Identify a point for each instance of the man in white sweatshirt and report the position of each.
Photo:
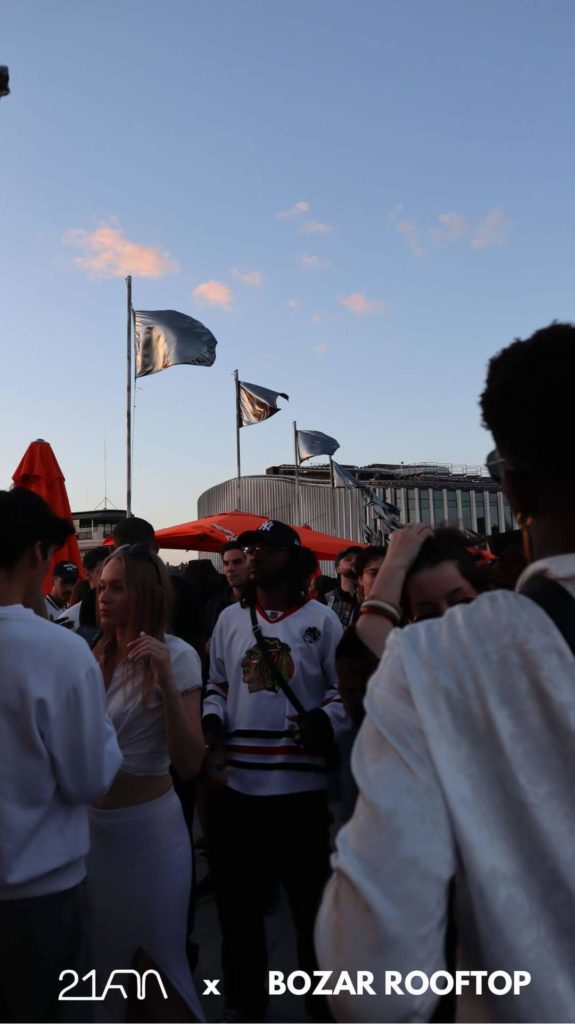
(58, 753)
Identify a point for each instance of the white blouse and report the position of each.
(141, 728)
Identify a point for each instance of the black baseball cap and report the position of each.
(67, 571)
(273, 533)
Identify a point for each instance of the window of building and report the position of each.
(494, 512)
(438, 507)
(452, 516)
(480, 509)
(425, 514)
(508, 515)
(411, 513)
(466, 510)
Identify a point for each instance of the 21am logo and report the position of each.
(112, 985)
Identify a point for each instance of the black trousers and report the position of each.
(40, 938)
(254, 839)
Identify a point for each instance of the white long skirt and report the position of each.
(139, 881)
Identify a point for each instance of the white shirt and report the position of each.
(141, 728)
(262, 756)
(58, 753)
(466, 768)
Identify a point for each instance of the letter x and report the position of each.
(211, 988)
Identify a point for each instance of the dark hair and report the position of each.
(527, 403)
(133, 530)
(355, 550)
(25, 519)
(301, 566)
(230, 545)
(449, 544)
(205, 578)
(366, 556)
(94, 556)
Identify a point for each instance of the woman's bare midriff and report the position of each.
(129, 790)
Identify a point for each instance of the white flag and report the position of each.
(166, 338)
(313, 442)
(257, 403)
(343, 478)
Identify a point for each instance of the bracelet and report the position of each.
(378, 611)
(384, 606)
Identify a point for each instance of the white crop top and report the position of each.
(141, 730)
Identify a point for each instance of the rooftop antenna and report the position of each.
(105, 501)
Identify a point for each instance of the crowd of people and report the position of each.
(393, 746)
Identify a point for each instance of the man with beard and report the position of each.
(271, 714)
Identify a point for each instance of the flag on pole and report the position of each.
(343, 478)
(256, 403)
(389, 514)
(166, 338)
(313, 442)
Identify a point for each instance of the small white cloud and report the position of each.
(296, 211)
(253, 278)
(358, 303)
(321, 349)
(315, 227)
(293, 303)
(214, 293)
(316, 318)
(493, 229)
(452, 228)
(410, 232)
(395, 212)
(312, 262)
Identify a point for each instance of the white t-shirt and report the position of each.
(58, 753)
(141, 728)
(262, 757)
(466, 769)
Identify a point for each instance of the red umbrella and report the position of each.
(209, 533)
(39, 472)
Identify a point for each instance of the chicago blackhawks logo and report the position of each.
(312, 635)
(257, 668)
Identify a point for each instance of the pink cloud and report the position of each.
(315, 227)
(322, 349)
(410, 232)
(253, 278)
(109, 254)
(296, 211)
(358, 303)
(493, 229)
(312, 262)
(452, 228)
(214, 293)
(293, 303)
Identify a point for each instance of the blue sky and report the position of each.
(421, 154)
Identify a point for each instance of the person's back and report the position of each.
(466, 758)
(58, 752)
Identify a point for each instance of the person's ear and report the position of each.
(523, 494)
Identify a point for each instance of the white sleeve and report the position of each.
(216, 699)
(79, 735)
(385, 907)
(186, 668)
(331, 703)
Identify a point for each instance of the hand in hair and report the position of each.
(159, 657)
(405, 545)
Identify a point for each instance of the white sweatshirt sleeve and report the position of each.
(331, 703)
(216, 698)
(79, 735)
(385, 907)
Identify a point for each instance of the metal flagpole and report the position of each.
(129, 402)
(238, 450)
(297, 508)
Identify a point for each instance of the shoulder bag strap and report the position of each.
(276, 674)
(556, 602)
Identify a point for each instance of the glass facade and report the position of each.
(466, 510)
(494, 513)
(480, 511)
(438, 507)
(425, 513)
(452, 516)
(411, 509)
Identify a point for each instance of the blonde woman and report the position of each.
(140, 867)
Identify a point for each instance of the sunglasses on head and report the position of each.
(493, 463)
(138, 550)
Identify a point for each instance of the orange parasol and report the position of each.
(39, 472)
(211, 532)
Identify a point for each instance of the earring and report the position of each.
(524, 523)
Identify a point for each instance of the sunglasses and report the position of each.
(493, 464)
(138, 550)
